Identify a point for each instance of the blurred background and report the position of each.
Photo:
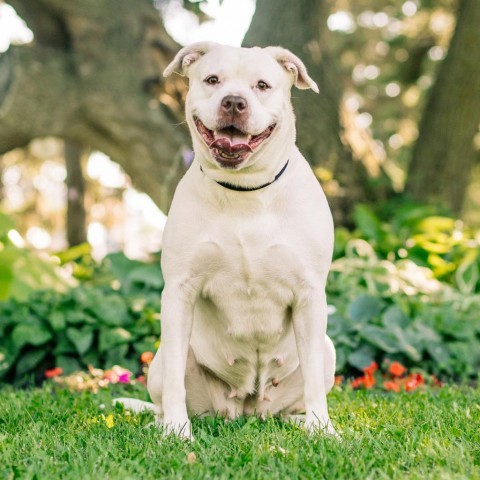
(93, 142)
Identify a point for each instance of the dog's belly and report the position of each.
(242, 328)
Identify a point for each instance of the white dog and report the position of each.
(246, 251)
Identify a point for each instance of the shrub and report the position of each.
(397, 310)
(88, 325)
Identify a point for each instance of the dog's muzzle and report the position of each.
(229, 144)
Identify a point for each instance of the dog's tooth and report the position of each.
(230, 360)
(266, 398)
(233, 393)
(280, 361)
(275, 382)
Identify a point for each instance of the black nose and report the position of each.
(234, 105)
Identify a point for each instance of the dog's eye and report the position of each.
(212, 80)
(261, 85)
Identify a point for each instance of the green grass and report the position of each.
(49, 433)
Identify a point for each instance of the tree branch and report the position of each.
(90, 87)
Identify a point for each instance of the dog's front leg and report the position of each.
(310, 326)
(177, 318)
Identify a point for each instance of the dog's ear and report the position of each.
(294, 65)
(188, 55)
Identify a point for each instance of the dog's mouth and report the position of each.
(229, 145)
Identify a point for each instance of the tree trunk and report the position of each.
(76, 217)
(443, 156)
(300, 26)
(88, 77)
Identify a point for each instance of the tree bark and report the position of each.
(92, 76)
(300, 26)
(444, 155)
(76, 215)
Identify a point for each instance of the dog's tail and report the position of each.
(137, 406)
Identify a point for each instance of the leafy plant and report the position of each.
(87, 325)
(397, 310)
(423, 234)
(23, 271)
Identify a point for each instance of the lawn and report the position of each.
(52, 433)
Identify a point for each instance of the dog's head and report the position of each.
(239, 99)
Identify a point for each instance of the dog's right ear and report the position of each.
(188, 55)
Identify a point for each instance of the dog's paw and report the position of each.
(182, 428)
(318, 425)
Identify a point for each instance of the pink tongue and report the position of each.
(226, 145)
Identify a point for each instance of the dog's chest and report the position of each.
(242, 324)
(249, 277)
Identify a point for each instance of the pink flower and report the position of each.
(124, 377)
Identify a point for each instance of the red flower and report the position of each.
(367, 381)
(413, 381)
(371, 369)
(396, 369)
(357, 382)
(53, 372)
(392, 386)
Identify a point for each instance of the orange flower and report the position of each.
(392, 386)
(339, 379)
(53, 372)
(357, 382)
(367, 381)
(146, 357)
(371, 369)
(414, 380)
(396, 369)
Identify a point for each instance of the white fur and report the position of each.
(244, 311)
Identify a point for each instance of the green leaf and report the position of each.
(33, 334)
(439, 353)
(110, 337)
(362, 357)
(117, 356)
(341, 359)
(467, 276)
(6, 278)
(364, 308)
(28, 361)
(57, 321)
(149, 275)
(64, 345)
(112, 310)
(381, 338)
(394, 317)
(68, 364)
(146, 344)
(6, 224)
(368, 223)
(81, 338)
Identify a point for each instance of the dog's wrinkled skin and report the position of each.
(244, 311)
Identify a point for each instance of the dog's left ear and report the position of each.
(188, 55)
(294, 65)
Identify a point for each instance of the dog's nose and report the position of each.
(234, 105)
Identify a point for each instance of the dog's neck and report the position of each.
(238, 188)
